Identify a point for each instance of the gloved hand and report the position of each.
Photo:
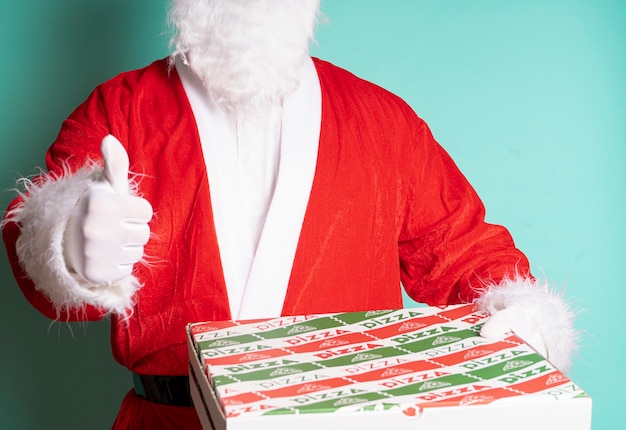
(106, 234)
(514, 319)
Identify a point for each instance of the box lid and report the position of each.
(393, 361)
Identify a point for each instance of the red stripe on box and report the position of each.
(468, 314)
(240, 399)
(546, 381)
(305, 344)
(236, 411)
(474, 395)
(205, 327)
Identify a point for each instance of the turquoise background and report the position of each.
(528, 97)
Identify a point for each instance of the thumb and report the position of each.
(504, 321)
(513, 319)
(116, 163)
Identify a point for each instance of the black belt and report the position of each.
(165, 390)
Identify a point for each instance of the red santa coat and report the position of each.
(387, 206)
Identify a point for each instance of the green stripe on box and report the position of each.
(221, 380)
(434, 338)
(310, 404)
(299, 328)
(282, 332)
(516, 364)
(381, 406)
(382, 316)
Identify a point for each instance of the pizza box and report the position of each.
(420, 368)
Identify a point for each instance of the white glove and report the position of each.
(517, 320)
(106, 234)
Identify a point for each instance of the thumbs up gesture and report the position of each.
(106, 234)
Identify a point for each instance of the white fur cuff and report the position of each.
(550, 317)
(47, 205)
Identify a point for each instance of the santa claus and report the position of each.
(263, 182)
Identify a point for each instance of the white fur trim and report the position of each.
(47, 204)
(551, 318)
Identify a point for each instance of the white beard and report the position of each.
(246, 52)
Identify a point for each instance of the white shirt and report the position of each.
(260, 172)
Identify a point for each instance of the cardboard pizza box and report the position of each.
(421, 368)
